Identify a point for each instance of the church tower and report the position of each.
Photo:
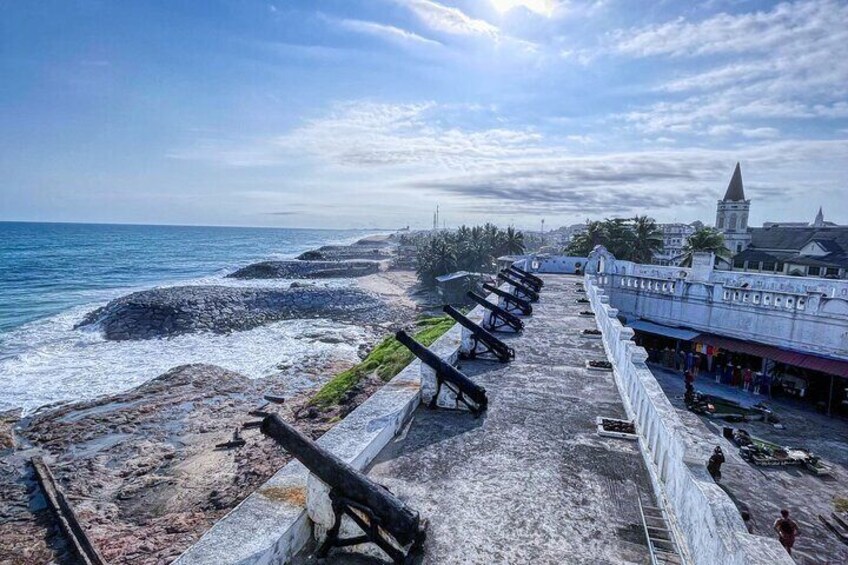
(732, 214)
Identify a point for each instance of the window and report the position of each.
(738, 248)
(731, 223)
(768, 266)
(720, 222)
(739, 263)
(832, 272)
(814, 271)
(779, 267)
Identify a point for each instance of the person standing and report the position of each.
(747, 377)
(787, 530)
(714, 464)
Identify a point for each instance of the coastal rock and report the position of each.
(297, 269)
(361, 250)
(165, 312)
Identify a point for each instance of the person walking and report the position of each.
(787, 530)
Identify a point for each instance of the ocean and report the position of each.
(51, 275)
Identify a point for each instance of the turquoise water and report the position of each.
(51, 275)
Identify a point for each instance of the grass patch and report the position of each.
(386, 360)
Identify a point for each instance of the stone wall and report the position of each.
(701, 514)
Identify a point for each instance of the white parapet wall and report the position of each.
(702, 515)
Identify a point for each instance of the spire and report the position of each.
(819, 221)
(734, 189)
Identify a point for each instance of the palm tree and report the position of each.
(436, 257)
(704, 239)
(618, 238)
(513, 241)
(647, 239)
(583, 243)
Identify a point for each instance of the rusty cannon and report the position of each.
(482, 342)
(499, 318)
(522, 291)
(472, 395)
(529, 276)
(512, 301)
(377, 512)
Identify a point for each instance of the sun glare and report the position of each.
(541, 7)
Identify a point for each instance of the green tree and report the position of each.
(583, 243)
(513, 241)
(647, 239)
(704, 239)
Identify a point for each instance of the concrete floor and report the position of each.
(765, 490)
(530, 481)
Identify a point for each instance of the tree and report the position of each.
(647, 239)
(513, 242)
(468, 248)
(704, 239)
(583, 243)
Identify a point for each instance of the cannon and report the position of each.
(530, 276)
(523, 278)
(512, 301)
(481, 337)
(372, 507)
(499, 318)
(523, 291)
(467, 392)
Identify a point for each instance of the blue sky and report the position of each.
(368, 113)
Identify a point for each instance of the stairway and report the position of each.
(661, 544)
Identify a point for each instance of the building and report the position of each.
(807, 251)
(674, 237)
(732, 214)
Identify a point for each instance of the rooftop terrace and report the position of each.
(530, 480)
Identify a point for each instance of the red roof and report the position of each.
(813, 362)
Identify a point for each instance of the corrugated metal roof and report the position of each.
(667, 331)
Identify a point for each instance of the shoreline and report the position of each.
(141, 465)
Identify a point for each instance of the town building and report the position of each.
(674, 238)
(732, 214)
(816, 249)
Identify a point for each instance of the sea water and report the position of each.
(51, 275)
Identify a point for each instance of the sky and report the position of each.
(356, 113)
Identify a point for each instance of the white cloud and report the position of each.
(451, 20)
(384, 31)
(788, 62)
(544, 8)
(408, 150)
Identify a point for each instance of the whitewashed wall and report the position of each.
(702, 514)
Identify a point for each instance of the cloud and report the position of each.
(387, 32)
(790, 62)
(450, 20)
(408, 149)
(544, 8)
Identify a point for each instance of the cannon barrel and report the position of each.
(529, 293)
(499, 348)
(531, 276)
(519, 303)
(535, 285)
(395, 517)
(445, 371)
(511, 319)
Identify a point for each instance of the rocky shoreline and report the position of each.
(141, 467)
(303, 269)
(171, 311)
